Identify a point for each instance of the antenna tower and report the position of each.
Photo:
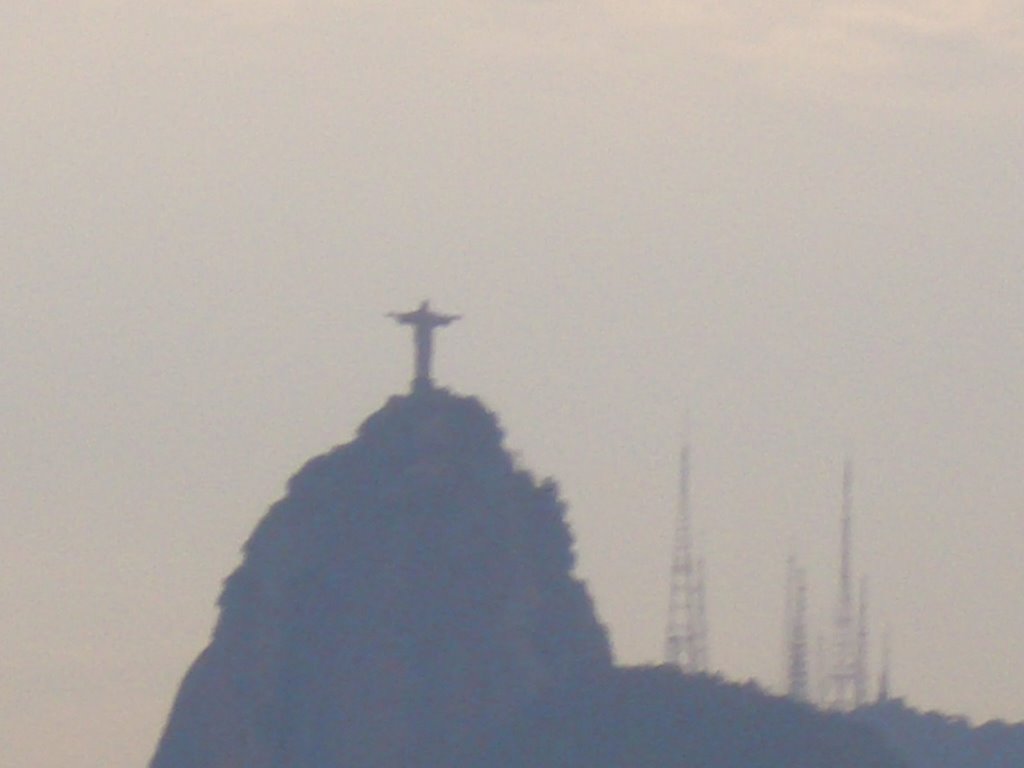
(701, 662)
(821, 672)
(844, 661)
(686, 635)
(883, 677)
(860, 679)
(797, 673)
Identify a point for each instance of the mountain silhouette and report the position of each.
(936, 740)
(410, 603)
(410, 593)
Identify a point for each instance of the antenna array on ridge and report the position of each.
(686, 641)
(797, 671)
(848, 677)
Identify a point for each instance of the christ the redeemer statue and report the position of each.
(423, 321)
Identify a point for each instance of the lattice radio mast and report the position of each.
(844, 662)
(686, 635)
(860, 672)
(797, 671)
(701, 662)
(883, 676)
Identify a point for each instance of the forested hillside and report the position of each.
(935, 740)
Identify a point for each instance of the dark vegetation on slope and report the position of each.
(935, 740)
(656, 717)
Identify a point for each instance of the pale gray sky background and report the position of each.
(798, 223)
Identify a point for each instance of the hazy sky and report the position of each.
(793, 232)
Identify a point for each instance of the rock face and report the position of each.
(410, 593)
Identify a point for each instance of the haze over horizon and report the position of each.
(789, 234)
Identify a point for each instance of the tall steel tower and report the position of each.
(701, 660)
(796, 661)
(883, 676)
(860, 671)
(686, 634)
(821, 671)
(842, 679)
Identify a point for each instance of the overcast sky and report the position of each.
(790, 232)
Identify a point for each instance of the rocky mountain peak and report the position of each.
(411, 591)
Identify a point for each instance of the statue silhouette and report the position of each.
(423, 321)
